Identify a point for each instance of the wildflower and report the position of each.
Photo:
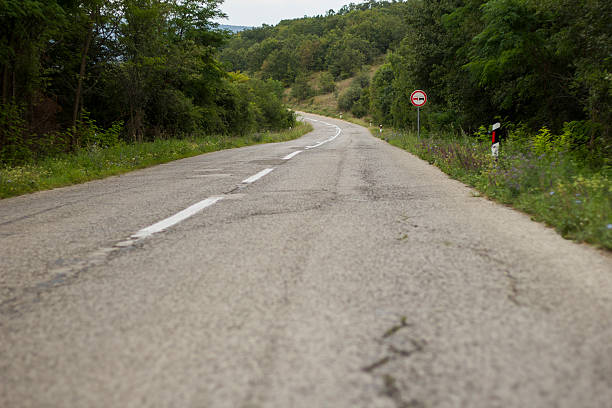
(609, 226)
(552, 193)
(578, 202)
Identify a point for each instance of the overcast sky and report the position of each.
(257, 12)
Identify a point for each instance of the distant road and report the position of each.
(331, 271)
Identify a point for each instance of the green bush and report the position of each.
(579, 139)
(347, 99)
(14, 147)
(301, 89)
(326, 83)
(175, 114)
(92, 135)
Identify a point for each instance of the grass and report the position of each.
(554, 188)
(95, 163)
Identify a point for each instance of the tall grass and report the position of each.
(95, 163)
(554, 186)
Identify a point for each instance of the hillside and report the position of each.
(528, 62)
(340, 43)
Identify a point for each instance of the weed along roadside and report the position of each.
(95, 163)
(540, 179)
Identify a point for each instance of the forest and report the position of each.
(79, 73)
(531, 64)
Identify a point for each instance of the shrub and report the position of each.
(14, 148)
(326, 83)
(347, 99)
(301, 88)
(92, 135)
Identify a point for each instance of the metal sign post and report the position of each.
(418, 122)
(418, 98)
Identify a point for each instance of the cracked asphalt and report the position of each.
(352, 275)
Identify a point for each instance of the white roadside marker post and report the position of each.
(495, 138)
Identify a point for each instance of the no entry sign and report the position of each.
(418, 98)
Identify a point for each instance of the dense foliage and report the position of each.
(542, 63)
(75, 73)
(537, 63)
(339, 42)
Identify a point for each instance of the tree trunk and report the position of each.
(5, 83)
(79, 90)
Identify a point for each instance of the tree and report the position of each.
(326, 83)
(29, 29)
(282, 65)
(580, 34)
(381, 94)
(90, 16)
(301, 88)
(348, 55)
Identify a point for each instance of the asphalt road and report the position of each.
(352, 274)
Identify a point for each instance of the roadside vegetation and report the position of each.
(94, 162)
(541, 68)
(80, 76)
(551, 183)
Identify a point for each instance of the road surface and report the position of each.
(330, 271)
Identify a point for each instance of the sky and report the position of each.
(257, 12)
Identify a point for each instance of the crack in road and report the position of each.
(27, 296)
(28, 216)
(390, 388)
(403, 324)
(514, 291)
(392, 391)
(394, 353)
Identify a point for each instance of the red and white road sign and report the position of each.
(418, 98)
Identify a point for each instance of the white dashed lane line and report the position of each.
(292, 155)
(196, 208)
(176, 218)
(257, 176)
(338, 131)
